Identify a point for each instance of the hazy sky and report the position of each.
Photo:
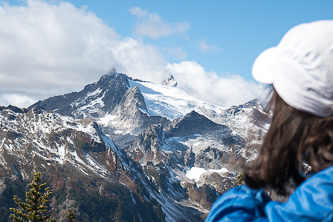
(54, 47)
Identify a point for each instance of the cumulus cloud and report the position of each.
(138, 11)
(208, 86)
(153, 26)
(50, 49)
(204, 47)
(18, 100)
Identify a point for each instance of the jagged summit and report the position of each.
(112, 71)
(97, 98)
(193, 123)
(131, 141)
(103, 97)
(14, 109)
(111, 101)
(255, 103)
(170, 81)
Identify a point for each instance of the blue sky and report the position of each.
(237, 30)
(54, 47)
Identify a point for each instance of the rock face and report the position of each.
(83, 166)
(170, 81)
(94, 100)
(110, 156)
(118, 108)
(191, 141)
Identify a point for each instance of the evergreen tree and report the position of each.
(239, 180)
(70, 216)
(34, 209)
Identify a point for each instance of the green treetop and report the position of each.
(70, 216)
(34, 209)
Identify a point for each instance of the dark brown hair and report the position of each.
(295, 144)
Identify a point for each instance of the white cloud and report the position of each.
(50, 49)
(208, 86)
(16, 100)
(204, 47)
(153, 26)
(138, 11)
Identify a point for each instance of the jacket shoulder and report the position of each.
(311, 201)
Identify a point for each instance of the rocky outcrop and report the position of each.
(106, 144)
(84, 168)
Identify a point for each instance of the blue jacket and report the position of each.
(311, 201)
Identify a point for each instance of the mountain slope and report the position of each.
(94, 100)
(118, 108)
(79, 161)
(133, 149)
(169, 101)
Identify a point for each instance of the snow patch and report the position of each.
(195, 172)
(97, 91)
(118, 131)
(77, 158)
(104, 121)
(144, 111)
(170, 102)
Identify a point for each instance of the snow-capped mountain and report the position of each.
(170, 81)
(128, 142)
(117, 95)
(75, 156)
(170, 102)
(119, 108)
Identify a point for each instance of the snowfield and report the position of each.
(195, 172)
(170, 102)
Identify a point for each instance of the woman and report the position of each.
(298, 147)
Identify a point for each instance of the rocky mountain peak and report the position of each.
(93, 101)
(112, 71)
(170, 81)
(13, 108)
(107, 79)
(197, 119)
(193, 123)
(120, 149)
(252, 104)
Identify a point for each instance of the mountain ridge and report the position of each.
(109, 136)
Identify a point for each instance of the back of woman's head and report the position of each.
(297, 143)
(300, 68)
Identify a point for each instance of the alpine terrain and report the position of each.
(123, 149)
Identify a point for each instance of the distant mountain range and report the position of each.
(128, 150)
